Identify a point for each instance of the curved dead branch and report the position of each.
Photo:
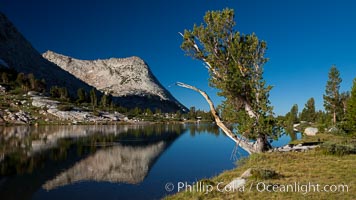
(247, 146)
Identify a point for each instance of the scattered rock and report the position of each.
(19, 117)
(2, 89)
(296, 148)
(311, 131)
(33, 93)
(333, 130)
(76, 115)
(247, 173)
(240, 181)
(43, 102)
(236, 184)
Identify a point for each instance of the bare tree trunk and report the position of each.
(262, 144)
(257, 147)
(334, 117)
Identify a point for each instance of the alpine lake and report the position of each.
(112, 161)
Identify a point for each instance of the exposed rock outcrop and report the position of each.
(311, 131)
(295, 148)
(20, 117)
(75, 115)
(2, 89)
(129, 80)
(122, 77)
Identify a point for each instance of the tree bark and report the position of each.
(262, 144)
(334, 117)
(257, 147)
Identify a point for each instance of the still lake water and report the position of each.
(111, 161)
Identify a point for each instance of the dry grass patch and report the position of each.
(294, 167)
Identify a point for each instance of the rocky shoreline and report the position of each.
(47, 111)
(76, 115)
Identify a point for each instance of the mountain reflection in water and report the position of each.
(53, 156)
(120, 164)
(111, 161)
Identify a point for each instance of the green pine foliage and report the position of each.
(192, 113)
(81, 95)
(59, 92)
(5, 77)
(308, 113)
(344, 97)
(291, 118)
(21, 82)
(148, 112)
(93, 98)
(332, 100)
(104, 101)
(350, 114)
(235, 62)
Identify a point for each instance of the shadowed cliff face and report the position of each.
(129, 80)
(18, 53)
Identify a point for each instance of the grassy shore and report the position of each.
(301, 168)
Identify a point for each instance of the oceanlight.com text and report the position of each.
(301, 188)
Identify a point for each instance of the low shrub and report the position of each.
(264, 174)
(338, 149)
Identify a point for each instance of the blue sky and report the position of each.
(304, 37)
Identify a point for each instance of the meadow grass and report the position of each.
(314, 167)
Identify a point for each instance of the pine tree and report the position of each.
(23, 82)
(93, 98)
(192, 113)
(5, 77)
(178, 114)
(63, 93)
(136, 111)
(344, 97)
(20, 79)
(148, 112)
(81, 95)
(32, 80)
(54, 92)
(235, 62)
(40, 85)
(308, 114)
(350, 114)
(112, 105)
(104, 101)
(158, 111)
(109, 99)
(292, 115)
(332, 96)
